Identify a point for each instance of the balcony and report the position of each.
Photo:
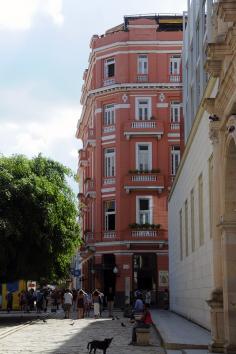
(90, 138)
(82, 158)
(89, 188)
(144, 233)
(88, 236)
(152, 128)
(109, 129)
(109, 82)
(175, 78)
(108, 181)
(144, 181)
(142, 78)
(109, 234)
(174, 126)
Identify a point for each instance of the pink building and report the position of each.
(131, 128)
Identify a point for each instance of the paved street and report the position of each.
(58, 335)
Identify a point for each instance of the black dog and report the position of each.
(99, 344)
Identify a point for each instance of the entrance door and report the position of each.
(144, 276)
(109, 278)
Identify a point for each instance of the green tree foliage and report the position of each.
(39, 231)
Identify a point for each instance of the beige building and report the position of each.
(202, 204)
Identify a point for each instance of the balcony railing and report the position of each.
(144, 181)
(175, 78)
(90, 187)
(89, 236)
(144, 178)
(109, 129)
(174, 126)
(143, 124)
(109, 82)
(144, 233)
(109, 180)
(90, 137)
(109, 234)
(153, 128)
(82, 157)
(142, 78)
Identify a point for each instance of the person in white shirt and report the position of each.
(68, 300)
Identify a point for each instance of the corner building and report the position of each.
(131, 129)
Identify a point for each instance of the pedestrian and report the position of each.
(137, 311)
(80, 303)
(9, 298)
(87, 304)
(75, 294)
(110, 298)
(148, 297)
(39, 301)
(101, 302)
(68, 299)
(144, 322)
(96, 303)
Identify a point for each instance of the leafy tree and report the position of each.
(39, 231)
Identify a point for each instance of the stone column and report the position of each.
(229, 284)
(216, 304)
(217, 321)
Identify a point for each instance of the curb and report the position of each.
(177, 346)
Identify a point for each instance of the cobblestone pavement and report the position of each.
(68, 336)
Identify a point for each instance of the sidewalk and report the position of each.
(180, 335)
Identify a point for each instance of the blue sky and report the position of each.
(44, 51)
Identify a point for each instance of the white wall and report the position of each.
(191, 280)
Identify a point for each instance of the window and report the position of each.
(144, 210)
(175, 158)
(143, 108)
(109, 115)
(181, 235)
(109, 68)
(144, 156)
(175, 65)
(110, 215)
(175, 112)
(186, 228)
(109, 159)
(210, 169)
(192, 221)
(200, 212)
(142, 64)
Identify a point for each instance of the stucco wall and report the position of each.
(191, 279)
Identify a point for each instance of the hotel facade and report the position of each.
(132, 132)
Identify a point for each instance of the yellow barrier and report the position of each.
(18, 287)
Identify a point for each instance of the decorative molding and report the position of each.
(231, 127)
(162, 105)
(162, 97)
(108, 137)
(214, 132)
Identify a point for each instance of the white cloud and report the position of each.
(19, 14)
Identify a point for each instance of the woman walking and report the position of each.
(96, 304)
(81, 303)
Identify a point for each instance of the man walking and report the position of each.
(68, 299)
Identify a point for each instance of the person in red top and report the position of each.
(144, 322)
